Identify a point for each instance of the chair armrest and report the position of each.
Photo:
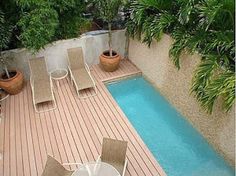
(87, 67)
(99, 158)
(70, 72)
(125, 165)
(31, 82)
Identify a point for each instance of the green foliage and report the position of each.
(107, 9)
(223, 85)
(65, 5)
(71, 21)
(70, 30)
(38, 26)
(39, 22)
(5, 32)
(205, 27)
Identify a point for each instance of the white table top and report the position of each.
(59, 74)
(96, 169)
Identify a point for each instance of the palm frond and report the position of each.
(202, 76)
(205, 27)
(180, 43)
(223, 85)
(185, 11)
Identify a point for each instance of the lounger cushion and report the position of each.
(82, 79)
(42, 91)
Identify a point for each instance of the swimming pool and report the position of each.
(176, 145)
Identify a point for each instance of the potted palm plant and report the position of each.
(107, 11)
(10, 80)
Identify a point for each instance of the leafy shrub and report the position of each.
(39, 22)
(5, 32)
(71, 20)
(205, 27)
(38, 27)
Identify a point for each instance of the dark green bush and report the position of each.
(5, 32)
(71, 19)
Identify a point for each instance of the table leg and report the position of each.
(58, 84)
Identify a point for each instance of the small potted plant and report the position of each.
(10, 80)
(107, 11)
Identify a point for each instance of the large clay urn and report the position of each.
(109, 63)
(14, 84)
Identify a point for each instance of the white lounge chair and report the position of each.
(79, 71)
(41, 83)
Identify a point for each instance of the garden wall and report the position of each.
(218, 128)
(56, 53)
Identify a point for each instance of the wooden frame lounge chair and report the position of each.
(41, 83)
(79, 71)
(114, 153)
(54, 168)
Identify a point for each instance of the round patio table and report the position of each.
(96, 169)
(59, 74)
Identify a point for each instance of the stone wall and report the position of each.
(56, 52)
(218, 128)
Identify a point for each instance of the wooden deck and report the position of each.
(71, 133)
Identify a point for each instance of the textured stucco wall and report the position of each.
(218, 128)
(56, 52)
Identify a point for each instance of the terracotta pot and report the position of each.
(14, 84)
(109, 63)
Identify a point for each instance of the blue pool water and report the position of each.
(177, 146)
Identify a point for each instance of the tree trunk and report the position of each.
(126, 54)
(6, 71)
(110, 39)
(5, 67)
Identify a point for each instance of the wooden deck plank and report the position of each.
(27, 110)
(84, 125)
(6, 149)
(83, 144)
(59, 137)
(2, 134)
(19, 161)
(71, 133)
(38, 142)
(59, 121)
(13, 133)
(25, 154)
